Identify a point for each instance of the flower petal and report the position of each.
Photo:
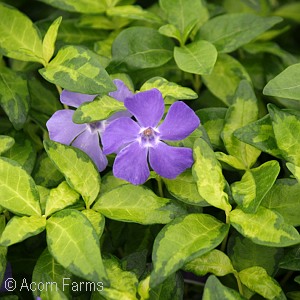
(147, 107)
(90, 144)
(180, 122)
(131, 164)
(118, 134)
(75, 99)
(122, 91)
(169, 161)
(61, 127)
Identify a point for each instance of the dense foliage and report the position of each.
(110, 188)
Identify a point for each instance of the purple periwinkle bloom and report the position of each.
(86, 136)
(135, 142)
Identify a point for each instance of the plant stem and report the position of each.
(197, 83)
(160, 186)
(240, 287)
(224, 242)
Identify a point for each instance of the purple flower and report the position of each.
(134, 141)
(84, 136)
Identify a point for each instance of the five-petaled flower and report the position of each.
(84, 136)
(134, 141)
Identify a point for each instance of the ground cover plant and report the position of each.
(149, 149)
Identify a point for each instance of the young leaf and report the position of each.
(295, 170)
(228, 32)
(17, 189)
(14, 96)
(47, 267)
(197, 57)
(20, 228)
(19, 38)
(78, 169)
(152, 50)
(208, 175)
(181, 241)
(286, 84)
(80, 6)
(78, 253)
(59, 198)
(129, 203)
(184, 188)
(258, 280)
(50, 39)
(101, 108)
(79, 70)
(225, 78)
(265, 227)
(185, 15)
(283, 197)
(171, 91)
(243, 110)
(171, 31)
(260, 135)
(255, 183)
(123, 284)
(286, 126)
(215, 290)
(6, 142)
(215, 262)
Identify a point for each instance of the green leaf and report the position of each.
(19, 38)
(289, 11)
(215, 290)
(152, 50)
(181, 241)
(170, 91)
(185, 15)
(254, 185)
(101, 108)
(129, 203)
(59, 198)
(6, 142)
(14, 96)
(78, 253)
(45, 173)
(184, 188)
(260, 135)
(212, 119)
(47, 267)
(78, 169)
(265, 227)
(208, 175)
(133, 12)
(291, 260)
(228, 32)
(22, 151)
(96, 219)
(244, 254)
(78, 69)
(197, 57)
(50, 39)
(81, 6)
(20, 228)
(123, 284)
(17, 189)
(215, 262)
(283, 197)
(230, 160)
(286, 84)
(109, 182)
(243, 110)
(285, 126)
(225, 78)
(3, 250)
(295, 170)
(258, 280)
(171, 31)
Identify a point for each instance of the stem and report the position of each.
(197, 83)
(224, 242)
(240, 286)
(160, 186)
(286, 278)
(59, 89)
